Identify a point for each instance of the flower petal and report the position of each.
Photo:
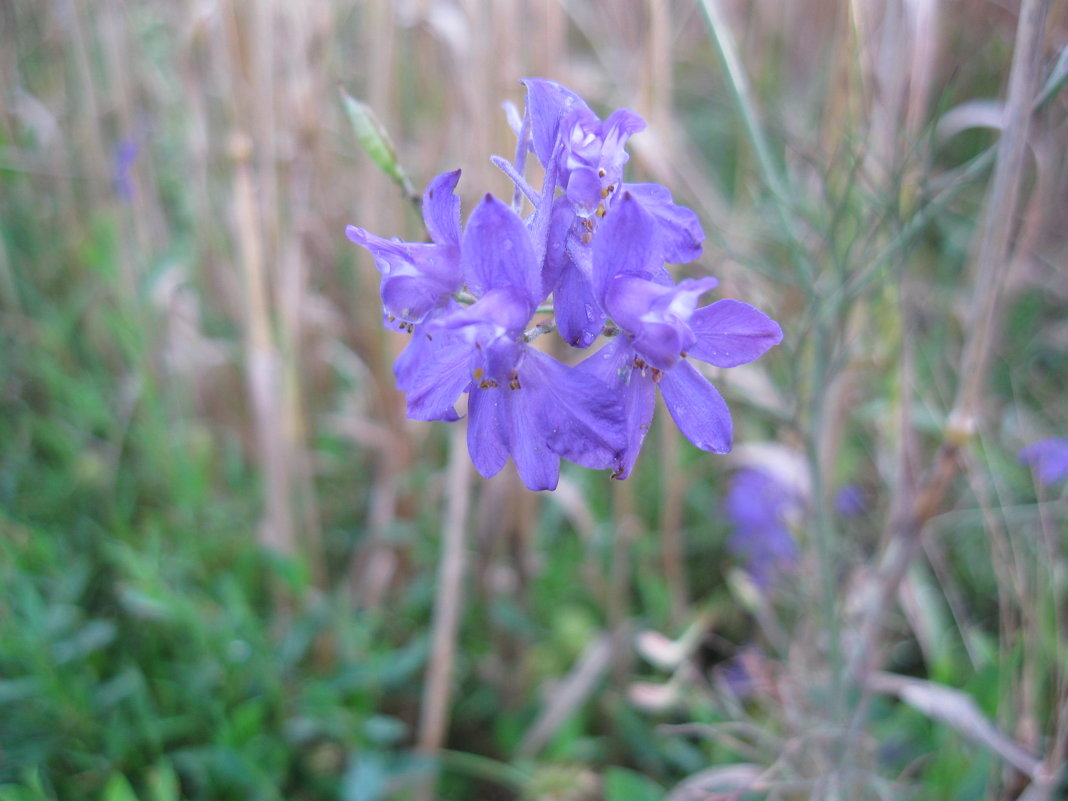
(657, 316)
(497, 252)
(620, 125)
(486, 432)
(557, 255)
(411, 297)
(441, 209)
(730, 333)
(697, 408)
(499, 312)
(579, 319)
(1048, 458)
(416, 276)
(580, 417)
(614, 365)
(433, 372)
(626, 243)
(758, 505)
(537, 464)
(547, 104)
(584, 190)
(680, 229)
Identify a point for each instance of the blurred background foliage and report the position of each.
(220, 540)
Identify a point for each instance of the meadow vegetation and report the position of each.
(231, 569)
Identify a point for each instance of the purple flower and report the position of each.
(419, 277)
(599, 247)
(1048, 458)
(522, 403)
(590, 166)
(662, 326)
(758, 505)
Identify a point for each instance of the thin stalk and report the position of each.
(672, 545)
(824, 526)
(769, 170)
(993, 257)
(262, 362)
(448, 605)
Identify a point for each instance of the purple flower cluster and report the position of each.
(598, 246)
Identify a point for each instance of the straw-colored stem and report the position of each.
(448, 606)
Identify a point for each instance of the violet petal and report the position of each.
(626, 243)
(537, 464)
(584, 190)
(580, 417)
(1048, 458)
(697, 408)
(433, 373)
(730, 333)
(486, 432)
(547, 104)
(680, 229)
(614, 365)
(579, 318)
(497, 252)
(441, 209)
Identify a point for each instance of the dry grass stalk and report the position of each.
(448, 606)
(992, 258)
(572, 691)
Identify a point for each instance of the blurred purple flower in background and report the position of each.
(124, 157)
(1048, 458)
(758, 505)
(850, 500)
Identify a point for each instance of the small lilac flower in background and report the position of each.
(850, 500)
(744, 674)
(758, 505)
(125, 155)
(1048, 458)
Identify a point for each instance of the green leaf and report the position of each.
(375, 141)
(163, 783)
(16, 792)
(621, 784)
(118, 789)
